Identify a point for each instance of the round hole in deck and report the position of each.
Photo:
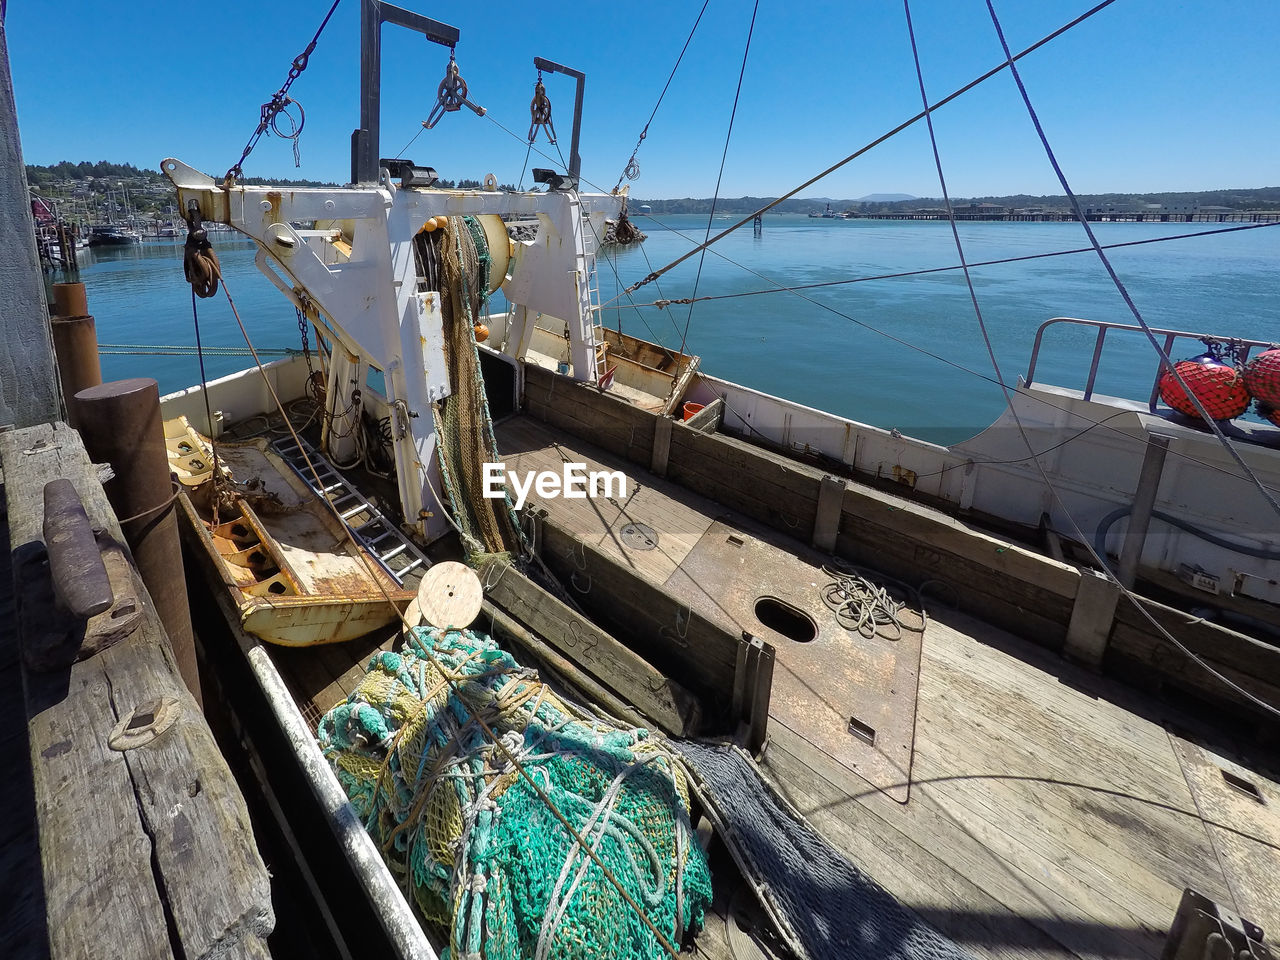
(792, 622)
(277, 587)
(239, 531)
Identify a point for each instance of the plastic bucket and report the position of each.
(690, 409)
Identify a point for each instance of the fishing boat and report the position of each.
(112, 235)
(908, 698)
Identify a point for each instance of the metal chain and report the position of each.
(272, 109)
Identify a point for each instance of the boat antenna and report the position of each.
(874, 143)
(279, 104)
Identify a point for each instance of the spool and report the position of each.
(690, 409)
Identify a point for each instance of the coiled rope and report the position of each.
(865, 606)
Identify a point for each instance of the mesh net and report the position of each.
(456, 261)
(477, 848)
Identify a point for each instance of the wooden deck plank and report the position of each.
(531, 446)
(1242, 820)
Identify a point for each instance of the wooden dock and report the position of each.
(145, 849)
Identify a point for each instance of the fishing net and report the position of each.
(480, 852)
(455, 261)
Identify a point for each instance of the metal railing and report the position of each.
(1240, 347)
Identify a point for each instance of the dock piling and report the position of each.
(120, 425)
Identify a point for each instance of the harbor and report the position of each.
(397, 570)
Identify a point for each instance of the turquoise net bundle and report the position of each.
(472, 842)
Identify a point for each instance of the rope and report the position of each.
(452, 677)
(724, 155)
(632, 169)
(200, 262)
(1053, 492)
(1119, 284)
(875, 143)
(663, 303)
(863, 605)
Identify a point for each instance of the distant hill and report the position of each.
(886, 197)
(1244, 198)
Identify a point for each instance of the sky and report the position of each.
(1146, 96)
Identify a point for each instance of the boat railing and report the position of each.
(1241, 347)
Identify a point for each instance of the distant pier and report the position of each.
(1095, 217)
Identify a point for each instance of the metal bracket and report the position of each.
(752, 688)
(1202, 930)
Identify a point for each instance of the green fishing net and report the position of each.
(480, 852)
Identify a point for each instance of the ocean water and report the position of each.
(864, 360)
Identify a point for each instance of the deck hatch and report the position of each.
(638, 536)
(792, 622)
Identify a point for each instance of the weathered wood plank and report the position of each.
(140, 845)
(654, 695)
(215, 883)
(1243, 823)
(22, 912)
(663, 630)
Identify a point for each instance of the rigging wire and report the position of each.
(632, 169)
(724, 155)
(1129, 595)
(797, 291)
(277, 104)
(1119, 284)
(879, 140)
(663, 303)
(450, 676)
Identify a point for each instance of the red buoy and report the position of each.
(1218, 386)
(1262, 377)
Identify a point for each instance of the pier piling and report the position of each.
(120, 424)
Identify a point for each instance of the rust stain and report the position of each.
(274, 197)
(904, 476)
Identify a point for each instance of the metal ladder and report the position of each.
(589, 250)
(384, 541)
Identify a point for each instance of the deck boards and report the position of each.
(1050, 812)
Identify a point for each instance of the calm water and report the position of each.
(1226, 284)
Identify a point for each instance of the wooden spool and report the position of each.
(449, 596)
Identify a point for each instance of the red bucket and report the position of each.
(690, 409)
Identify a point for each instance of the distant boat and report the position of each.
(112, 235)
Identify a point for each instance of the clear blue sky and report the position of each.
(1149, 95)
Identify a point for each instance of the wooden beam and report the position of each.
(661, 446)
(28, 380)
(1092, 616)
(664, 701)
(826, 525)
(662, 629)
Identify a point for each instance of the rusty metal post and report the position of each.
(75, 348)
(120, 425)
(69, 301)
